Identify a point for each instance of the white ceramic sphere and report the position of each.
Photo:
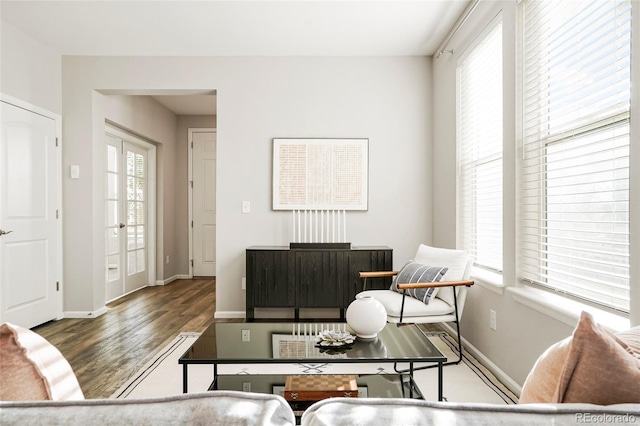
(366, 316)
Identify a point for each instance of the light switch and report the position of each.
(246, 207)
(75, 171)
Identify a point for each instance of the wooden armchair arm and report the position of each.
(378, 274)
(433, 285)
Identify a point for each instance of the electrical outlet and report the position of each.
(492, 319)
(246, 336)
(244, 283)
(246, 207)
(246, 386)
(167, 259)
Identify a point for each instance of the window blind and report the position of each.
(574, 184)
(480, 150)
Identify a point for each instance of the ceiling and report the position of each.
(235, 28)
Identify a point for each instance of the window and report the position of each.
(574, 180)
(480, 150)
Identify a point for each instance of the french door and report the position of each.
(126, 217)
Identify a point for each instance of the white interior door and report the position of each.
(126, 221)
(29, 244)
(204, 203)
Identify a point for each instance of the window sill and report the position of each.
(564, 309)
(488, 280)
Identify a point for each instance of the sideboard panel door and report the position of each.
(363, 261)
(318, 278)
(269, 281)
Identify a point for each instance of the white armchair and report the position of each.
(446, 305)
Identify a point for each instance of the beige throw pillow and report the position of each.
(31, 368)
(591, 366)
(542, 381)
(600, 368)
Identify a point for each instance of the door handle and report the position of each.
(4, 232)
(122, 225)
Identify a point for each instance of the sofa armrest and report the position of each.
(210, 408)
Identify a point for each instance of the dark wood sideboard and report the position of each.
(283, 277)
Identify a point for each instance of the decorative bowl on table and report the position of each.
(334, 339)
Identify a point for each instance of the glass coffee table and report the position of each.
(267, 344)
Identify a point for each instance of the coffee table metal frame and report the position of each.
(439, 360)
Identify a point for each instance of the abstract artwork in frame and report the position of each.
(286, 346)
(320, 174)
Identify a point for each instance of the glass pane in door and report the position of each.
(112, 185)
(131, 260)
(136, 211)
(112, 220)
(131, 237)
(140, 260)
(112, 159)
(112, 213)
(139, 237)
(113, 267)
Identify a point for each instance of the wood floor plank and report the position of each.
(105, 351)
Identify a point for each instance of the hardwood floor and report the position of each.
(105, 351)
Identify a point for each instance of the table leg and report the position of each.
(215, 376)
(411, 382)
(185, 376)
(440, 381)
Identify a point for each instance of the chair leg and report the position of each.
(455, 304)
(459, 338)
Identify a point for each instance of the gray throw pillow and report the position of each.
(414, 272)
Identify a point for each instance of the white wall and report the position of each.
(524, 331)
(29, 70)
(384, 99)
(83, 199)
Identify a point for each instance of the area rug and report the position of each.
(468, 381)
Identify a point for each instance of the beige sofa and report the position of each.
(390, 412)
(231, 408)
(591, 377)
(211, 408)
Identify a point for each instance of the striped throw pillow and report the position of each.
(414, 272)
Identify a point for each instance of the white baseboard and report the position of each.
(497, 371)
(85, 314)
(172, 279)
(229, 314)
